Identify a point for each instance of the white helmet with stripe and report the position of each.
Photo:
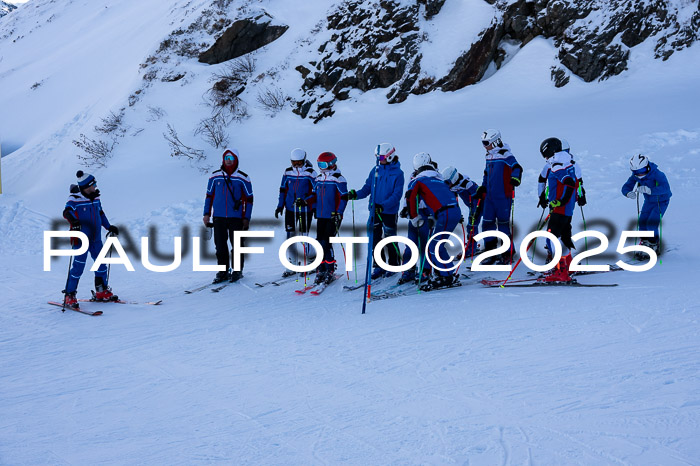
(385, 151)
(491, 137)
(451, 175)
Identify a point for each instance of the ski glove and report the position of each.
(278, 211)
(113, 230)
(481, 192)
(75, 227)
(300, 202)
(632, 195)
(337, 218)
(514, 181)
(417, 221)
(246, 223)
(555, 204)
(404, 212)
(582, 197)
(352, 195)
(643, 189)
(543, 201)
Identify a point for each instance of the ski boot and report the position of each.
(104, 293)
(220, 277)
(320, 277)
(560, 274)
(407, 276)
(71, 301)
(377, 273)
(440, 281)
(235, 276)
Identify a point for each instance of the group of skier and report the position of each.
(430, 203)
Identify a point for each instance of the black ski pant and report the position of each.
(292, 219)
(223, 234)
(325, 229)
(385, 225)
(560, 226)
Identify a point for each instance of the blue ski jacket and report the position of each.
(230, 196)
(561, 182)
(87, 212)
(655, 180)
(389, 187)
(501, 166)
(297, 183)
(330, 193)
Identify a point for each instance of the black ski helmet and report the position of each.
(549, 147)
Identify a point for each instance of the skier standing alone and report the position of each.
(387, 197)
(84, 213)
(230, 196)
(298, 182)
(651, 182)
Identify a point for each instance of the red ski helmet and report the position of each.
(326, 160)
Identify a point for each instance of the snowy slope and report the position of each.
(251, 376)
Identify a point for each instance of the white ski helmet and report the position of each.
(565, 145)
(385, 151)
(421, 159)
(491, 137)
(298, 154)
(451, 175)
(639, 164)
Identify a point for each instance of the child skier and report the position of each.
(387, 197)
(653, 183)
(297, 183)
(84, 213)
(429, 186)
(502, 175)
(230, 196)
(466, 189)
(330, 196)
(561, 183)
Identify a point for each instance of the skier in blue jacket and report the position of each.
(330, 197)
(466, 189)
(501, 176)
(230, 196)
(561, 183)
(387, 197)
(651, 182)
(429, 186)
(297, 183)
(84, 213)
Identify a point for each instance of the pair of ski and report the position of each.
(317, 289)
(215, 289)
(99, 313)
(533, 282)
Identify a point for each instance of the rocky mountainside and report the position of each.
(6, 8)
(360, 45)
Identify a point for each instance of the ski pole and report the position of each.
(109, 256)
(472, 224)
(464, 237)
(354, 260)
(520, 259)
(585, 228)
(370, 245)
(539, 226)
(512, 227)
(420, 251)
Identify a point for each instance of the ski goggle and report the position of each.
(230, 157)
(641, 172)
(383, 157)
(326, 165)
